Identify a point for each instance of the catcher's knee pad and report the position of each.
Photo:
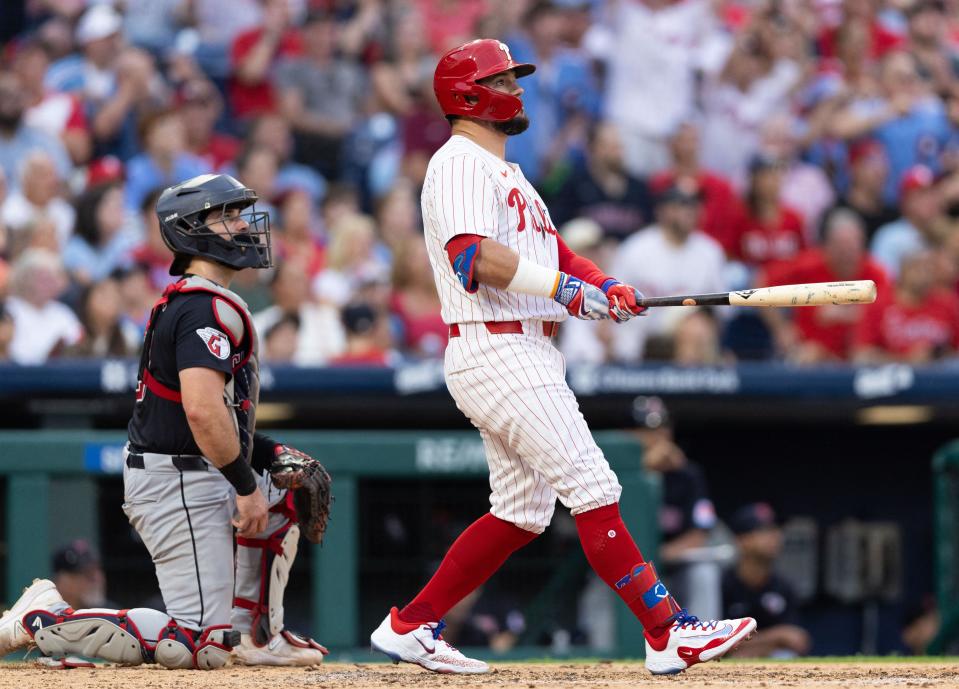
(263, 570)
(130, 637)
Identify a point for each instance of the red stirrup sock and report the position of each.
(613, 555)
(471, 560)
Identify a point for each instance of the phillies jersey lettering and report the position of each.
(468, 190)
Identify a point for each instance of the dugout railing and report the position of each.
(52, 473)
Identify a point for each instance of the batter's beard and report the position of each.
(514, 126)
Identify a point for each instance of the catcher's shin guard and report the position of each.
(130, 637)
(262, 571)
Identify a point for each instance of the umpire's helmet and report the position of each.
(458, 71)
(183, 209)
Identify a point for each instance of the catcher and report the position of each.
(195, 468)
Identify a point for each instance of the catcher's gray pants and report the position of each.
(183, 517)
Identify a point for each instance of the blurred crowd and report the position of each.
(684, 145)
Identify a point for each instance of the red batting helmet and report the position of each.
(458, 71)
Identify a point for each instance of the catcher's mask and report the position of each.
(183, 210)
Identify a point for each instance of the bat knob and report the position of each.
(689, 302)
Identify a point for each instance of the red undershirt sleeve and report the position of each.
(577, 266)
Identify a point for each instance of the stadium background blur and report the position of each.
(684, 145)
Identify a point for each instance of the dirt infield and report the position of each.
(516, 675)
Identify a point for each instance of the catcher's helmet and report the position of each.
(183, 209)
(458, 71)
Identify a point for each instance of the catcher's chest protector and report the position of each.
(243, 391)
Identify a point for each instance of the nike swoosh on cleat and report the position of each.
(725, 631)
(425, 648)
(685, 652)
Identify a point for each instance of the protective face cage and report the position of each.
(249, 247)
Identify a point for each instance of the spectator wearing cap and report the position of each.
(319, 333)
(58, 114)
(79, 576)
(917, 322)
(823, 333)
(42, 326)
(367, 337)
(920, 225)
(39, 197)
(165, 159)
(255, 55)
(583, 341)
(114, 82)
(671, 256)
(753, 589)
(322, 95)
(18, 139)
(770, 232)
(868, 169)
(721, 207)
(686, 513)
(908, 120)
(602, 190)
(201, 106)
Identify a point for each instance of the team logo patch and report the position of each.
(215, 341)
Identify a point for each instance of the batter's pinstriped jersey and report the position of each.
(468, 190)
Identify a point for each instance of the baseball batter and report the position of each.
(506, 280)
(192, 460)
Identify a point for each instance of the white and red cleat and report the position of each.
(689, 641)
(423, 645)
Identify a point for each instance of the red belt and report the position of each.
(550, 328)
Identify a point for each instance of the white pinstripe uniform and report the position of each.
(512, 387)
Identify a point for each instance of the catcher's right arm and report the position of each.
(311, 486)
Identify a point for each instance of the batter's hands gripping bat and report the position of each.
(808, 294)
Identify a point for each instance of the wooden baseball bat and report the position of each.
(809, 294)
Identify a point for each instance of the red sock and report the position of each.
(613, 555)
(471, 560)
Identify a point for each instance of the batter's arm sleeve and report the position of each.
(464, 253)
(465, 199)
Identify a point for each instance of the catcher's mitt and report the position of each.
(310, 483)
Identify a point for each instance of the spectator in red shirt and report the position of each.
(917, 322)
(58, 114)
(253, 56)
(824, 333)
(298, 234)
(770, 232)
(721, 208)
(366, 332)
(415, 301)
(865, 13)
(201, 106)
